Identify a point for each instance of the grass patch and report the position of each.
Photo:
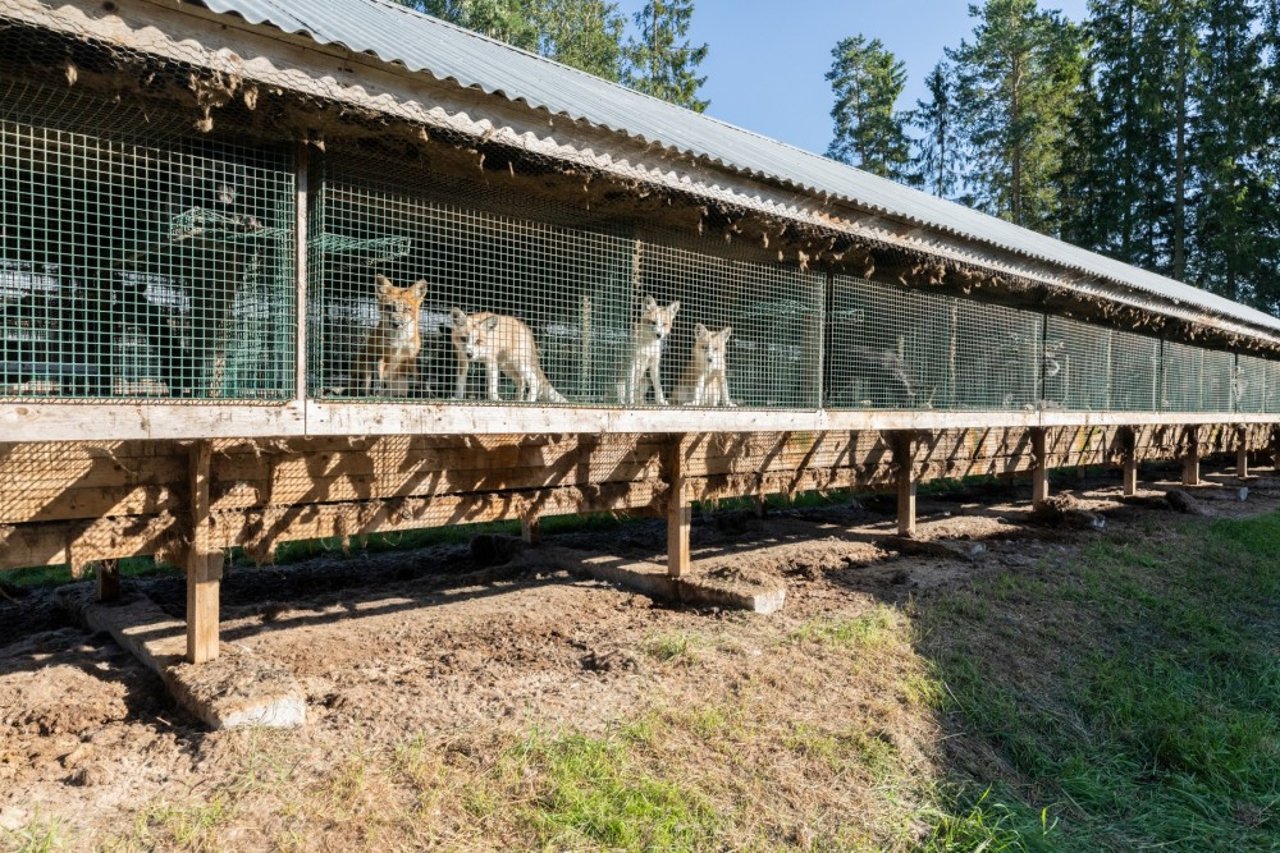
(39, 835)
(867, 631)
(590, 792)
(1134, 695)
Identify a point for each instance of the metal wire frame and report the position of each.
(576, 298)
(141, 269)
(1251, 384)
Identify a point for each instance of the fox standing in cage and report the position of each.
(504, 344)
(387, 364)
(705, 381)
(647, 340)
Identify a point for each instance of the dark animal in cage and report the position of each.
(647, 341)
(705, 381)
(503, 344)
(876, 377)
(388, 361)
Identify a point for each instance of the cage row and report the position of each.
(130, 271)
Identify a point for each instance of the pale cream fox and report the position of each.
(387, 364)
(504, 344)
(647, 340)
(705, 381)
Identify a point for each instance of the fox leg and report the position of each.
(725, 400)
(493, 380)
(655, 378)
(460, 389)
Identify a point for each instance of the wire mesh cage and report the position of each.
(1183, 377)
(516, 306)
(1135, 373)
(141, 270)
(1077, 371)
(1000, 356)
(741, 332)
(1251, 384)
(1272, 385)
(889, 347)
(416, 295)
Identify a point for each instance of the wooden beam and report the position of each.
(903, 456)
(1129, 440)
(1040, 467)
(1242, 455)
(204, 564)
(1191, 457)
(679, 512)
(108, 578)
(531, 531)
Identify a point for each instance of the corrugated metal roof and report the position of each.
(420, 43)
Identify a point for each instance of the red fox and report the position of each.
(705, 381)
(647, 339)
(387, 364)
(502, 343)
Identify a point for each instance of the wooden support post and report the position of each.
(1040, 469)
(1129, 485)
(904, 457)
(1191, 458)
(1242, 455)
(679, 512)
(531, 531)
(204, 565)
(108, 575)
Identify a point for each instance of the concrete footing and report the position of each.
(236, 689)
(652, 579)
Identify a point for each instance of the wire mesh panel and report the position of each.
(133, 270)
(1251, 384)
(1077, 372)
(1218, 381)
(1135, 372)
(1272, 381)
(508, 309)
(1000, 356)
(889, 347)
(1183, 378)
(740, 333)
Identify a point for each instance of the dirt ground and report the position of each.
(430, 648)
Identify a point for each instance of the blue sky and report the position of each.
(767, 60)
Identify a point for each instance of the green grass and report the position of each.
(1136, 698)
(860, 632)
(589, 792)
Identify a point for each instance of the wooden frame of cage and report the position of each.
(153, 477)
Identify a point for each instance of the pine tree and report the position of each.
(659, 59)
(869, 133)
(1229, 136)
(937, 150)
(586, 34)
(1017, 84)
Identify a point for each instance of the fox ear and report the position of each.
(459, 317)
(674, 307)
(383, 284)
(650, 304)
(419, 288)
(701, 331)
(726, 332)
(491, 324)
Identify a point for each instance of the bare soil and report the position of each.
(464, 660)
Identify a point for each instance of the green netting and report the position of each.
(142, 270)
(1218, 382)
(1135, 373)
(1078, 372)
(1183, 378)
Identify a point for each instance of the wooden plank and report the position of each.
(531, 531)
(904, 446)
(204, 566)
(107, 574)
(1191, 458)
(679, 511)
(1040, 467)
